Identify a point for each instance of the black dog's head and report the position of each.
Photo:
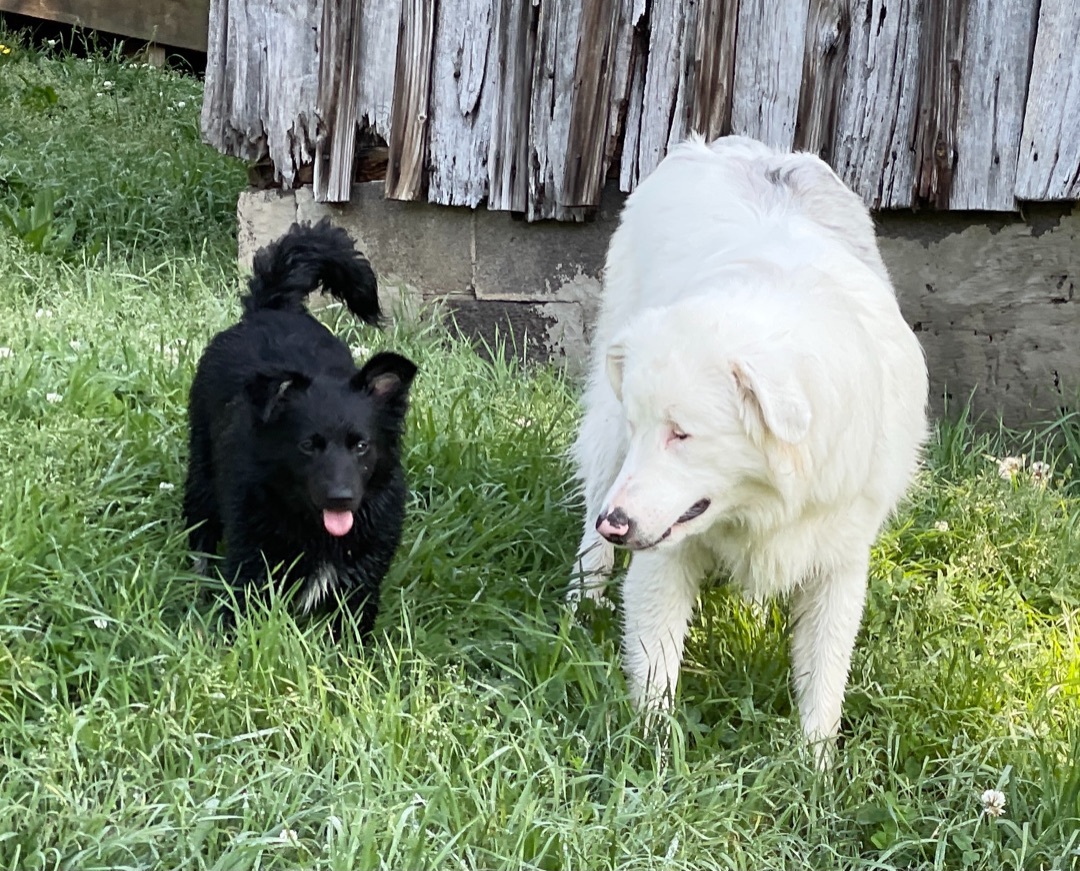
(326, 441)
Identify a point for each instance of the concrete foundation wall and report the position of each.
(991, 297)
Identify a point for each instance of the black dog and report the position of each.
(294, 453)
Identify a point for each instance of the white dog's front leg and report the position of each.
(826, 612)
(658, 601)
(592, 569)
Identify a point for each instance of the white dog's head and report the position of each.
(715, 413)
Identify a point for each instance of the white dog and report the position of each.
(756, 403)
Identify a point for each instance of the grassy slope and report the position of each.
(484, 729)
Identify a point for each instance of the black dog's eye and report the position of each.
(311, 445)
(360, 447)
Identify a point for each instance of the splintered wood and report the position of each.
(530, 105)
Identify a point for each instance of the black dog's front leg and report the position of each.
(359, 597)
(202, 522)
(246, 573)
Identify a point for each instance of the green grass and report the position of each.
(97, 151)
(483, 728)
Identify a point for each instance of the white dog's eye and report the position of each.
(678, 435)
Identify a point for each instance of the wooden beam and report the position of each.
(709, 67)
(828, 31)
(549, 108)
(627, 46)
(378, 37)
(586, 145)
(875, 126)
(661, 85)
(460, 104)
(336, 103)
(1049, 165)
(258, 100)
(513, 45)
(409, 116)
(768, 69)
(998, 46)
(179, 23)
(934, 146)
(635, 102)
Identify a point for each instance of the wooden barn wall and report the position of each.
(529, 105)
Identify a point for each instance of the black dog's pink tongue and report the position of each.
(337, 522)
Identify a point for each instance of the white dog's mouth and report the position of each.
(694, 511)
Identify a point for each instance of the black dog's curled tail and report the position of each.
(287, 270)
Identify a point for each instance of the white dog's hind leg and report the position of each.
(658, 602)
(826, 612)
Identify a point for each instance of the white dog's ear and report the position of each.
(616, 361)
(770, 397)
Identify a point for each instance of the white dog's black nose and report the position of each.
(615, 526)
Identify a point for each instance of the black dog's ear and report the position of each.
(385, 376)
(266, 391)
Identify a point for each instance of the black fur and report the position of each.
(279, 418)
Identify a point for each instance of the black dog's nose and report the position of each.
(615, 526)
(341, 498)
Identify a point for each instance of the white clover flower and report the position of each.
(165, 485)
(360, 350)
(53, 397)
(101, 623)
(75, 344)
(51, 43)
(107, 85)
(288, 836)
(1040, 472)
(43, 313)
(1008, 467)
(993, 802)
(941, 525)
(6, 353)
(181, 105)
(99, 94)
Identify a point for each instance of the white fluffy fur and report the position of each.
(746, 306)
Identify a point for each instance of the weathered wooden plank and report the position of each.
(872, 140)
(513, 43)
(339, 84)
(258, 100)
(768, 69)
(828, 30)
(1049, 165)
(709, 67)
(635, 101)
(549, 111)
(661, 88)
(627, 47)
(587, 134)
(409, 116)
(459, 107)
(941, 50)
(998, 45)
(230, 113)
(179, 23)
(378, 37)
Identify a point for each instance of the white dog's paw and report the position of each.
(823, 751)
(592, 592)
